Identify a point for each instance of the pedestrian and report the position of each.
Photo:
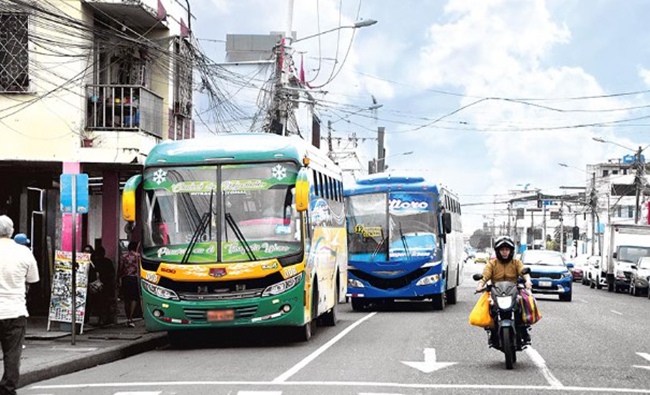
(127, 280)
(22, 239)
(17, 267)
(103, 302)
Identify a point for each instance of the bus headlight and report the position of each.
(282, 286)
(355, 283)
(428, 280)
(159, 291)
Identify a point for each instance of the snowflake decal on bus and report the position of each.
(279, 173)
(159, 176)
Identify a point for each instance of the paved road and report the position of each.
(598, 343)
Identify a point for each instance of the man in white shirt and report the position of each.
(17, 267)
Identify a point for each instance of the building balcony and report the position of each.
(134, 13)
(124, 108)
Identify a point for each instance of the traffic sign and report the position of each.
(74, 198)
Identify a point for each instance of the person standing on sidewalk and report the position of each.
(127, 279)
(17, 267)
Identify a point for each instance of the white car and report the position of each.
(596, 279)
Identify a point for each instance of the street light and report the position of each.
(392, 156)
(600, 140)
(357, 25)
(572, 167)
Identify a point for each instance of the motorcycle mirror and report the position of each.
(526, 270)
(477, 276)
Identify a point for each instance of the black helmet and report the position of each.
(504, 241)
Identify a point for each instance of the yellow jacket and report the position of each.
(497, 271)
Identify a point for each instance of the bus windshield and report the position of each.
(395, 226)
(249, 215)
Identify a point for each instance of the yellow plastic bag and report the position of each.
(480, 315)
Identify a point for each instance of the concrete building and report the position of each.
(612, 186)
(86, 86)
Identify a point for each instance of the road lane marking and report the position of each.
(582, 301)
(139, 393)
(284, 376)
(616, 312)
(541, 364)
(644, 355)
(345, 384)
(259, 392)
(430, 363)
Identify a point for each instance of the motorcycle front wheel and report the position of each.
(508, 345)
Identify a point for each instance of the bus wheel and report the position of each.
(452, 295)
(330, 318)
(176, 339)
(306, 331)
(439, 301)
(358, 304)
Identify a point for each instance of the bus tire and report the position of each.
(358, 304)
(306, 331)
(439, 301)
(331, 317)
(452, 295)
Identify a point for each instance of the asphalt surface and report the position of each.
(598, 343)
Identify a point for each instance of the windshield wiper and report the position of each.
(240, 237)
(206, 219)
(404, 243)
(381, 243)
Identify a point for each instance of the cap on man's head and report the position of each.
(21, 238)
(6, 226)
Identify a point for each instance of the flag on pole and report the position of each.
(162, 12)
(302, 70)
(184, 30)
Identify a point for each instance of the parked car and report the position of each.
(549, 273)
(640, 277)
(596, 279)
(482, 257)
(579, 267)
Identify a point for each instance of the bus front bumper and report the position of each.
(431, 283)
(286, 309)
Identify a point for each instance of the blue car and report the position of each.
(549, 273)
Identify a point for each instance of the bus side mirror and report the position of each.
(128, 198)
(302, 190)
(446, 222)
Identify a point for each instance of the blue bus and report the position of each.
(404, 241)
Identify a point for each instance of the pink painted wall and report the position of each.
(66, 231)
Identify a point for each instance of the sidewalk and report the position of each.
(51, 354)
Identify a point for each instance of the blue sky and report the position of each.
(504, 49)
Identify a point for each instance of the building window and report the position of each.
(14, 64)
(605, 173)
(630, 211)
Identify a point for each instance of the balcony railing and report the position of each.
(124, 107)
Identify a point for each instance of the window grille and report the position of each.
(14, 65)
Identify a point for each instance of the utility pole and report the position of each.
(561, 226)
(330, 150)
(532, 231)
(638, 183)
(381, 152)
(509, 214)
(544, 225)
(592, 203)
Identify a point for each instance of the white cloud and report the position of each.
(645, 75)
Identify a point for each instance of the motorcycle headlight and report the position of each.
(355, 283)
(282, 286)
(159, 291)
(567, 274)
(504, 302)
(620, 274)
(428, 280)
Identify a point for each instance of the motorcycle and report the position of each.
(505, 305)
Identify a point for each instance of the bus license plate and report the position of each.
(221, 315)
(545, 284)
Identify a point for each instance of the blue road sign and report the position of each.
(81, 193)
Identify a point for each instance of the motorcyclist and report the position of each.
(505, 268)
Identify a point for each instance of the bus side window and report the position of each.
(316, 191)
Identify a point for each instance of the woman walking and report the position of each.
(128, 272)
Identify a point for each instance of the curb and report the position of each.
(107, 355)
